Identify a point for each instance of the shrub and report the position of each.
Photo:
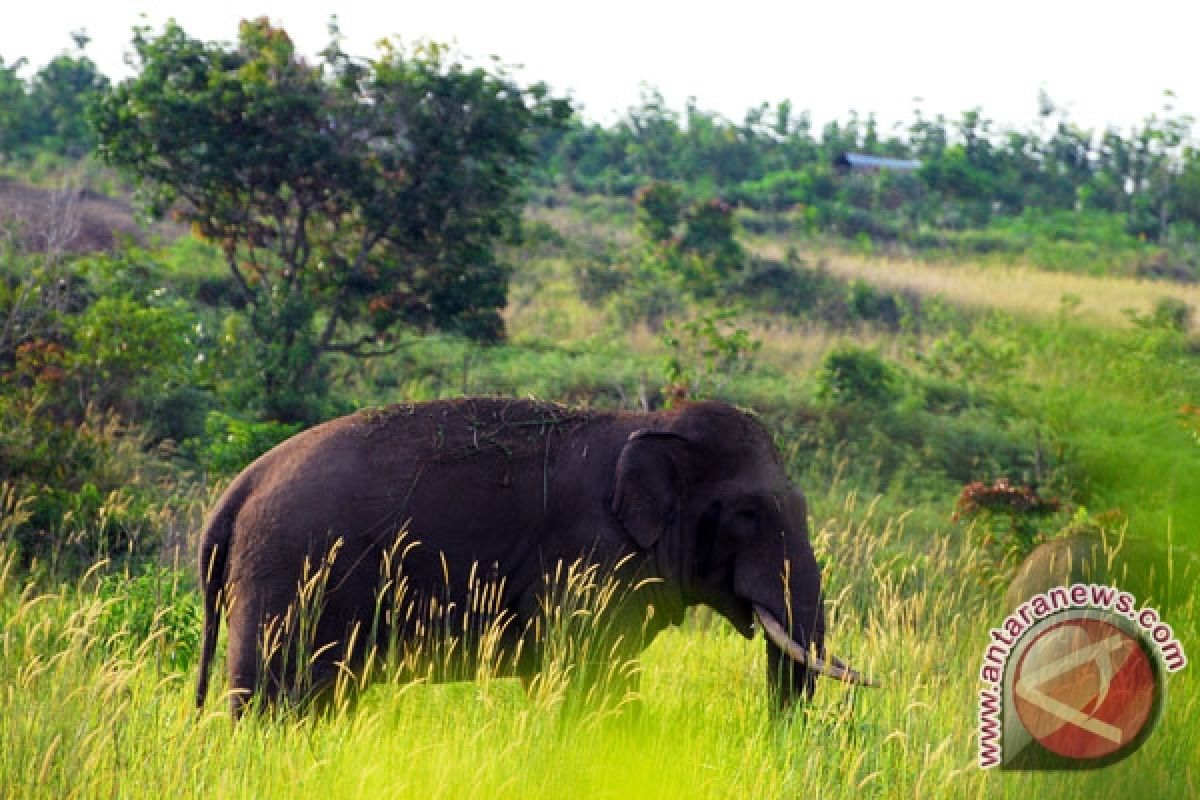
(710, 234)
(89, 486)
(724, 352)
(154, 607)
(229, 443)
(659, 206)
(1009, 514)
(851, 375)
(1172, 312)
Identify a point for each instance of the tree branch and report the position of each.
(359, 347)
(243, 284)
(335, 312)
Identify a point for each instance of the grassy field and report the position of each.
(1016, 289)
(97, 672)
(93, 710)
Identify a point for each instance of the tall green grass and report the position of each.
(1117, 399)
(85, 714)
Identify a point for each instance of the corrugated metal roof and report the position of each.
(863, 161)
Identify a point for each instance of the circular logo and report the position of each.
(1085, 688)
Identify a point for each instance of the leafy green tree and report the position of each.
(659, 206)
(16, 119)
(59, 96)
(49, 111)
(1185, 190)
(710, 235)
(349, 197)
(653, 131)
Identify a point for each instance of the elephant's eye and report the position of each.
(748, 514)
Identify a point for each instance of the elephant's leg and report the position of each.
(244, 656)
(262, 650)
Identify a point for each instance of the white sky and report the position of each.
(1107, 62)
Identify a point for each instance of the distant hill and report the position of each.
(70, 220)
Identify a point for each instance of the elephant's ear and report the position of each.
(648, 488)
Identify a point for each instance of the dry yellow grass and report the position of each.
(798, 348)
(1021, 290)
(792, 347)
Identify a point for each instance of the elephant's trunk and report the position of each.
(811, 661)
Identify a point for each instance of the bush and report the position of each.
(850, 375)
(126, 353)
(1172, 313)
(230, 444)
(705, 353)
(784, 287)
(710, 234)
(154, 607)
(659, 206)
(89, 487)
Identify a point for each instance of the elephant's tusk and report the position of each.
(834, 669)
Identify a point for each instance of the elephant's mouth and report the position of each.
(741, 616)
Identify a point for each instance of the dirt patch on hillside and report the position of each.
(70, 220)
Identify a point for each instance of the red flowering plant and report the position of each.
(1008, 512)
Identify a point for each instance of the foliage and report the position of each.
(974, 174)
(710, 234)
(685, 251)
(157, 604)
(48, 112)
(1008, 510)
(229, 443)
(347, 198)
(659, 207)
(707, 353)
(108, 333)
(852, 375)
(86, 487)
(100, 362)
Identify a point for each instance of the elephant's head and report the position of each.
(708, 495)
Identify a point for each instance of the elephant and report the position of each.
(681, 507)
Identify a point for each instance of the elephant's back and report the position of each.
(469, 478)
(467, 428)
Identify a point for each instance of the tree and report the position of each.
(60, 93)
(653, 129)
(349, 197)
(49, 110)
(659, 207)
(15, 115)
(1185, 191)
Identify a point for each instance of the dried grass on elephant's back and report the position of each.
(472, 427)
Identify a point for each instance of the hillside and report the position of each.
(890, 385)
(67, 220)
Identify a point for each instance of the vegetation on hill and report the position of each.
(1055, 194)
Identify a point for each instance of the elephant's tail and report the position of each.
(214, 557)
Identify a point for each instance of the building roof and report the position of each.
(863, 161)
